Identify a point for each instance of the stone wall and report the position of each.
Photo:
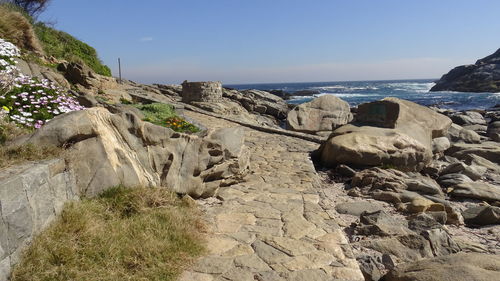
(31, 197)
(201, 91)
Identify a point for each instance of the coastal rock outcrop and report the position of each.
(31, 197)
(391, 132)
(483, 76)
(261, 102)
(457, 267)
(323, 114)
(112, 149)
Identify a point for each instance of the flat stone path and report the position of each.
(271, 226)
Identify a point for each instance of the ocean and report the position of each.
(357, 92)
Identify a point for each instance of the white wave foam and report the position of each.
(326, 88)
(346, 95)
(339, 87)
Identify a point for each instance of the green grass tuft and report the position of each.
(164, 115)
(125, 234)
(156, 113)
(62, 45)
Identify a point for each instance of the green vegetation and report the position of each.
(61, 45)
(10, 156)
(125, 234)
(164, 115)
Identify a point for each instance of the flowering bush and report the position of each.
(180, 125)
(27, 101)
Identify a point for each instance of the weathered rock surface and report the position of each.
(476, 190)
(457, 133)
(325, 113)
(493, 131)
(483, 76)
(111, 149)
(405, 115)
(456, 267)
(468, 118)
(260, 102)
(372, 146)
(440, 145)
(31, 197)
(486, 150)
(392, 132)
(42, 72)
(271, 226)
(482, 215)
(85, 79)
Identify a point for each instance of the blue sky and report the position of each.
(242, 41)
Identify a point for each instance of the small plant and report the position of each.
(27, 101)
(125, 101)
(164, 115)
(180, 125)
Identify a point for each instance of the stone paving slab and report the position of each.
(271, 226)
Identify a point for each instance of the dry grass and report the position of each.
(10, 131)
(10, 156)
(16, 28)
(125, 234)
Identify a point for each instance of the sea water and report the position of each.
(357, 92)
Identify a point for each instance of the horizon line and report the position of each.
(338, 81)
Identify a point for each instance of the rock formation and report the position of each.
(323, 114)
(391, 132)
(119, 149)
(483, 76)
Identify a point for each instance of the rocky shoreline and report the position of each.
(371, 192)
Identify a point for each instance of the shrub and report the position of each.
(125, 234)
(61, 45)
(164, 115)
(156, 113)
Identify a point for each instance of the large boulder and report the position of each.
(111, 149)
(457, 133)
(482, 215)
(325, 113)
(486, 150)
(476, 190)
(483, 76)
(468, 118)
(372, 146)
(404, 115)
(85, 79)
(456, 267)
(391, 132)
(259, 102)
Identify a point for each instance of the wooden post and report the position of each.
(119, 71)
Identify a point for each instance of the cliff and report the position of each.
(483, 76)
